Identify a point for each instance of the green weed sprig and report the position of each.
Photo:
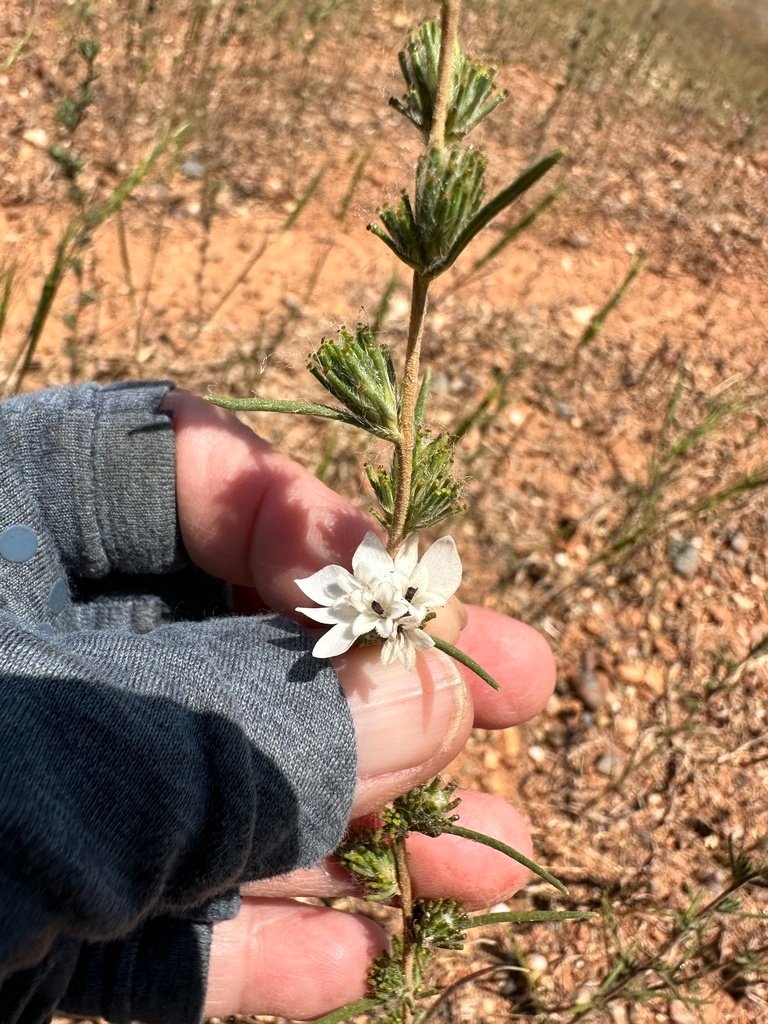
(447, 96)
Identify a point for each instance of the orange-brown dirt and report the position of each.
(614, 485)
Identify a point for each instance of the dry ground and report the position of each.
(614, 484)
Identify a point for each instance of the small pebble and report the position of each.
(686, 557)
(192, 168)
(680, 1013)
(607, 764)
(631, 672)
(588, 689)
(491, 759)
(627, 727)
(537, 964)
(537, 754)
(576, 241)
(586, 993)
(36, 137)
(739, 542)
(510, 739)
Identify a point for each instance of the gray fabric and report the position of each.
(155, 751)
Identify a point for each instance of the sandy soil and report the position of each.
(612, 483)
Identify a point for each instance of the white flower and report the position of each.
(385, 595)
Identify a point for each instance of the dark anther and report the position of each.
(377, 607)
(410, 593)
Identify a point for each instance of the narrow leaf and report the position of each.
(349, 1011)
(528, 917)
(255, 404)
(491, 209)
(508, 851)
(464, 659)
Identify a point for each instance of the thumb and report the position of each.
(409, 724)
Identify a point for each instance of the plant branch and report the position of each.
(619, 980)
(449, 30)
(410, 385)
(409, 396)
(406, 911)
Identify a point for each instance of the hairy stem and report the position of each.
(410, 386)
(409, 951)
(449, 30)
(409, 395)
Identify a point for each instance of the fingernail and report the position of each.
(402, 718)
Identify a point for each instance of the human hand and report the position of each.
(251, 516)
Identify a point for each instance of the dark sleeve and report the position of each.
(98, 464)
(147, 977)
(147, 767)
(156, 976)
(144, 773)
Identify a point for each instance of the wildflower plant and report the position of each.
(392, 590)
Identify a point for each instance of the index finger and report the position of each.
(249, 514)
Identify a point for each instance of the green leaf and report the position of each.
(359, 373)
(435, 492)
(472, 87)
(425, 808)
(508, 851)
(440, 923)
(528, 917)
(370, 857)
(348, 1012)
(449, 192)
(493, 208)
(284, 405)
(464, 659)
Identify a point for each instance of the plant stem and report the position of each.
(409, 395)
(406, 909)
(464, 659)
(61, 263)
(410, 385)
(449, 30)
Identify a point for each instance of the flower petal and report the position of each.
(324, 615)
(407, 557)
(336, 641)
(385, 628)
(438, 574)
(371, 563)
(364, 623)
(394, 650)
(419, 640)
(327, 585)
